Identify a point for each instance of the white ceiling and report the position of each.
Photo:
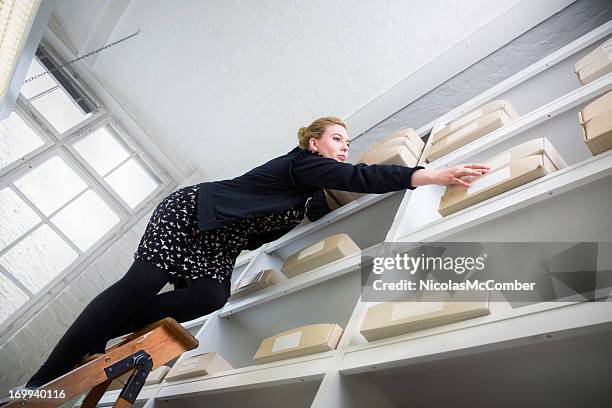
(228, 83)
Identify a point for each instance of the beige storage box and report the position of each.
(597, 133)
(494, 183)
(596, 121)
(599, 106)
(207, 363)
(596, 69)
(331, 202)
(476, 129)
(157, 375)
(532, 147)
(395, 318)
(254, 282)
(403, 148)
(321, 253)
(469, 117)
(594, 55)
(311, 339)
(405, 137)
(398, 154)
(344, 197)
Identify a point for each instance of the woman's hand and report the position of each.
(448, 176)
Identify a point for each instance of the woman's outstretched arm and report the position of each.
(322, 172)
(449, 176)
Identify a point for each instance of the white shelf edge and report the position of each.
(561, 181)
(480, 338)
(336, 215)
(524, 75)
(197, 321)
(326, 272)
(295, 370)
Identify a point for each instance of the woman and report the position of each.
(195, 234)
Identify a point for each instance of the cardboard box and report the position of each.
(494, 183)
(398, 154)
(594, 55)
(532, 147)
(471, 116)
(403, 148)
(331, 202)
(596, 69)
(321, 253)
(254, 282)
(476, 129)
(395, 318)
(597, 133)
(157, 375)
(344, 197)
(203, 364)
(599, 106)
(407, 137)
(301, 341)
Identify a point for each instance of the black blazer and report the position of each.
(289, 180)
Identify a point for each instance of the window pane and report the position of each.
(102, 150)
(16, 217)
(11, 297)
(50, 185)
(87, 210)
(38, 85)
(59, 109)
(132, 182)
(16, 139)
(37, 259)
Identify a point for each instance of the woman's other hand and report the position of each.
(449, 176)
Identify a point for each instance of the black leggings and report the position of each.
(129, 304)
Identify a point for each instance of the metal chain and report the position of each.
(89, 54)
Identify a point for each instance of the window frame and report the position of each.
(61, 144)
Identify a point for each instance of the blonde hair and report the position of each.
(316, 129)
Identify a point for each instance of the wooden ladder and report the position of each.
(139, 352)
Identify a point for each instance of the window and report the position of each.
(70, 177)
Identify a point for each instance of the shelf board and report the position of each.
(295, 370)
(305, 280)
(495, 333)
(566, 179)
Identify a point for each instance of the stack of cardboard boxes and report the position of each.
(517, 166)
(471, 126)
(403, 148)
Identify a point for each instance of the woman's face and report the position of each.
(334, 143)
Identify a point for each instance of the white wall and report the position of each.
(216, 76)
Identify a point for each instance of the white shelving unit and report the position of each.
(512, 347)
